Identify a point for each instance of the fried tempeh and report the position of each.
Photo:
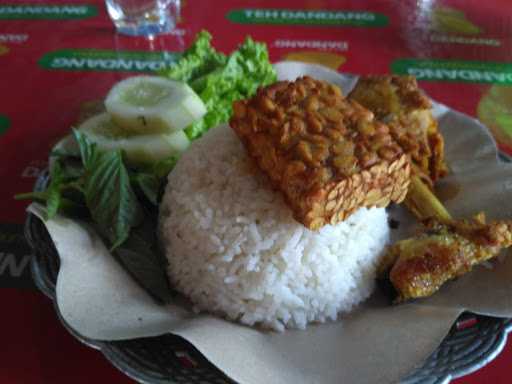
(325, 153)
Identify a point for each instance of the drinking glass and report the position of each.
(143, 17)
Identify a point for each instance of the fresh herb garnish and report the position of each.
(150, 186)
(163, 167)
(102, 189)
(54, 195)
(108, 193)
(140, 256)
(63, 192)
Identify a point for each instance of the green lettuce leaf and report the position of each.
(220, 80)
(198, 59)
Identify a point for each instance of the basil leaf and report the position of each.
(149, 185)
(35, 196)
(72, 169)
(88, 150)
(140, 256)
(53, 195)
(109, 196)
(163, 167)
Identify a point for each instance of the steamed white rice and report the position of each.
(234, 248)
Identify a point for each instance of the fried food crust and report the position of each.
(398, 101)
(325, 153)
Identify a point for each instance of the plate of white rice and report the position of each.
(234, 248)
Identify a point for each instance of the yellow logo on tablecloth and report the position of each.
(451, 20)
(495, 111)
(327, 59)
(3, 50)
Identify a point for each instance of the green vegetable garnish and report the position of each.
(108, 193)
(219, 79)
(98, 183)
(120, 202)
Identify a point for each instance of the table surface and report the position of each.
(57, 58)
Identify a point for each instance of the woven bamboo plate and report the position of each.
(472, 342)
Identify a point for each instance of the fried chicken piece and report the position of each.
(445, 250)
(422, 202)
(397, 101)
(325, 153)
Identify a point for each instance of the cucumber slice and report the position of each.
(152, 104)
(140, 150)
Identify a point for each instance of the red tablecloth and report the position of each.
(57, 56)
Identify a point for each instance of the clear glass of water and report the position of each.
(143, 17)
